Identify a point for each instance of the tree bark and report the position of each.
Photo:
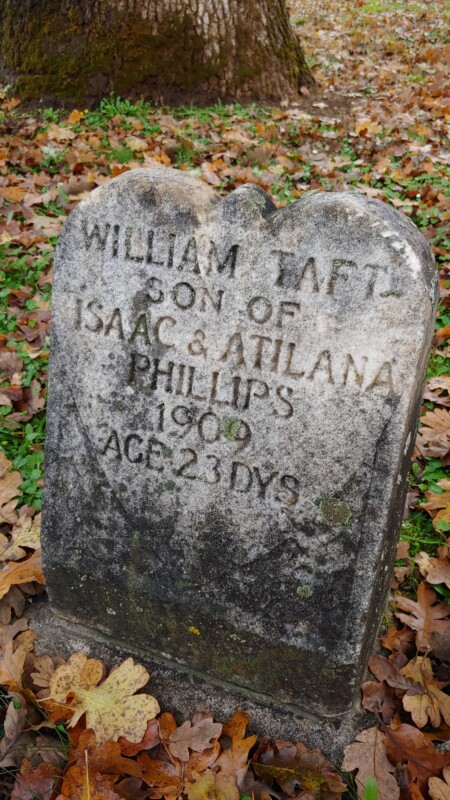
(175, 51)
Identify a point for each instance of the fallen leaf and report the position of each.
(436, 426)
(233, 760)
(136, 144)
(212, 786)
(16, 572)
(435, 570)
(368, 755)
(193, 737)
(105, 758)
(406, 744)
(379, 698)
(75, 116)
(12, 659)
(440, 789)
(111, 710)
(150, 739)
(58, 133)
(35, 782)
(424, 617)
(295, 767)
(428, 706)
(25, 533)
(80, 784)
(14, 194)
(438, 506)
(9, 491)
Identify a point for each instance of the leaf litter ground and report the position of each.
(378, 123)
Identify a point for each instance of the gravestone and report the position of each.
(233, 398)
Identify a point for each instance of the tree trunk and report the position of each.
(176, 51)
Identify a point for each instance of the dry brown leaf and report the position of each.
(25, 533)
(81, 784)
(406, 744)
(106, 758)
(16, 572)
(438, 506)
(428, 706)
(149, 740)
(424, 617)
(9, 491)
(193, 737)
(435, 570)
(35, 782)
(14, 194)
(440, 789)
(368, 755)
(58, 133)
(111, 710)
(234, 759)
(12, 659)
(294, 767)
(75, 116)
(436, 426)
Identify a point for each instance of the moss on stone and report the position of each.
(334, 511)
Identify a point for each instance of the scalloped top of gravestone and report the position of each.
(233, 397)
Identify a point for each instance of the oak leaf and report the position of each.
(16, 572)
(167, 773)
(234, 759)
(105, 758)
(440, 789)
(13, 600)
(12, 659)
(399, 641)
(436, 427)
(212, 786)
(193, 737)
(111, 710)
(148, 742)
(407, 744)
(379, 698)
(432, 702)
(438, 506)
(368, 755)
(163, 774)
(80, 784)
(25, 533)
(387, 671)
(435, 570)
(9, 491)
(15, 742)
(295, 767)
(424, 617)
(35, 782)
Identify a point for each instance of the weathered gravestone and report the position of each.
(234, 392)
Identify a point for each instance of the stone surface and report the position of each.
(233, 399)
(184, 692)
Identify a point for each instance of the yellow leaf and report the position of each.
(110, 709)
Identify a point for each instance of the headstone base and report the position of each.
(183, 691)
